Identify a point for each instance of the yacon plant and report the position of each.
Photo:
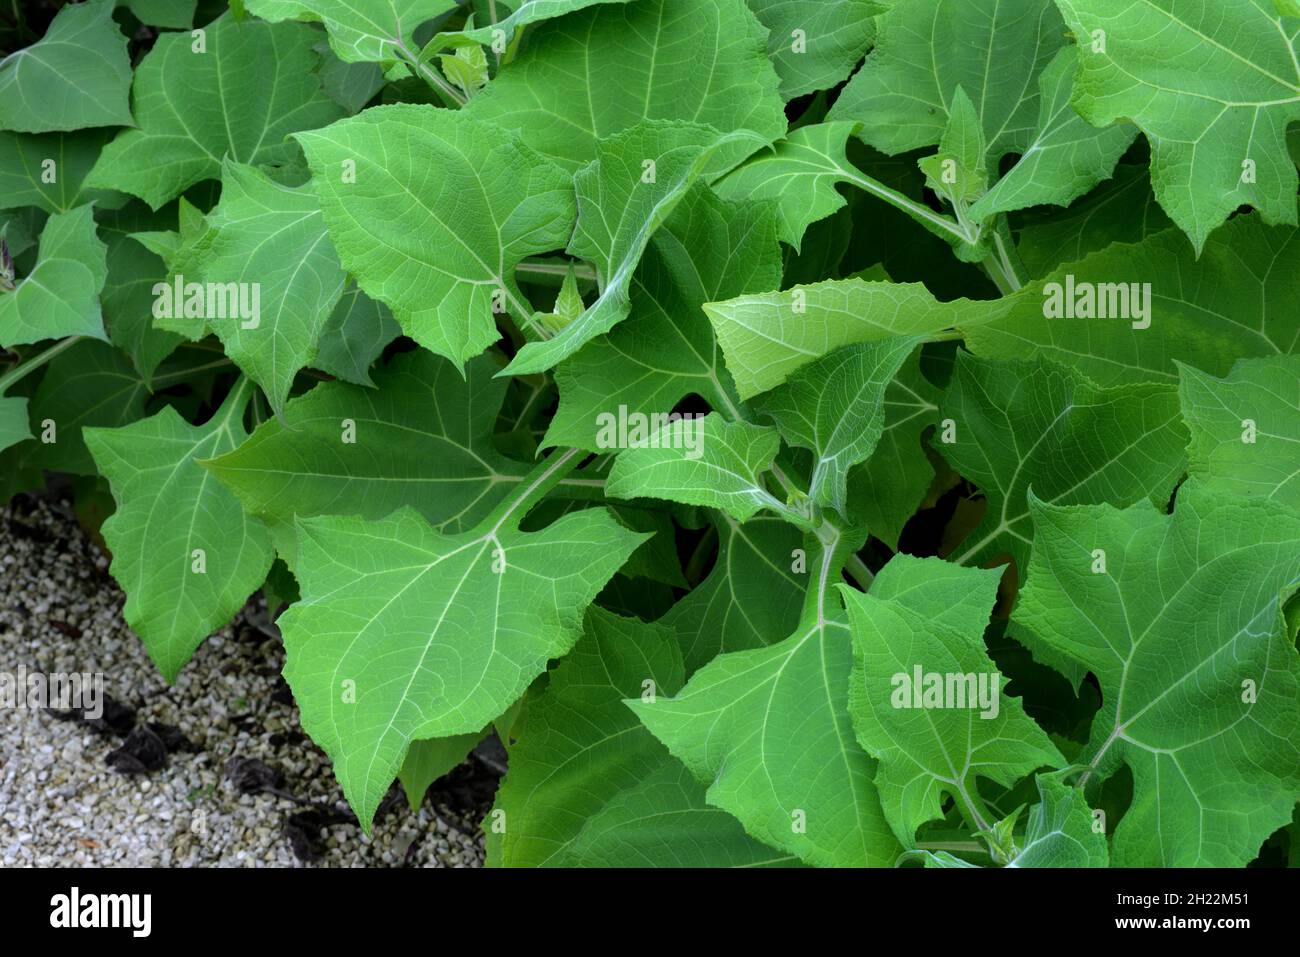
(828, 432)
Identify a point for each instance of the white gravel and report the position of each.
(61, 804)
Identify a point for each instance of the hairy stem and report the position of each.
(35, 362)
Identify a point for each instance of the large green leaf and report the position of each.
(800, 173)
(1065, 158)
(404, 633)
(270, 239)
(1213, 84)
(47, 170)
(77, 75)
(924, 619)
(60, 296)
(702, 61)
(624, 195)
(926, 49)
(440, 211)
(354, 336)
(583, 763)
(751, 597)
(1245, 428)
(92, 384)
(183, 550)
(128, 297)
(886, 490)
(254, 83)
(665, 350)
(707, 461)
(768, 731)
(767, 337)
(1037, 425)
(1234, 302)
(421, 439)
(1121, 210)
(814, 44)
(359, 30)
(1180, 619)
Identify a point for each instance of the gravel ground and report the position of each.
(212, 771)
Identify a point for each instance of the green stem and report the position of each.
(857, 570)
(430, 75)
(560, 270)
(35, 362)
(937, 223)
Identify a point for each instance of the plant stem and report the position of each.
(857, 570)
(580, 270)
(937, 223)
(35, 362)
(430, 75)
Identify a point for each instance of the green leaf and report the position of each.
(526, 12)
(767, 337)
(835, 408)
(709, 462)
(799, 173)
(360, 31)
(1023, 425)
(92, 384)
(887, 489)
(1066, 157)
(1163, 305)
(624, 195)
(1213, 85)
(47, 170)
(1060, 830)
(958, 172)
(14, 426)
(583, 764)
(421, 439)
(354, 336)
(128, 296)
(701, 61)
(404, 634)
(427, 761)
(568, 304)
(60, 296)
(176, 14)
(253, 84)
(750, 599)
(926, 701)
(1246, 428)
(665, 350)
(927, 49)
(441, 250)
(270, 239)
(1182, 626)
(77, 75)
(1121, 210)
(768, 731)
(814, 44)
(183, 550)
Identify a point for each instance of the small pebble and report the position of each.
(62, 803)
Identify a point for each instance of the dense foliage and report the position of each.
(827, 432)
